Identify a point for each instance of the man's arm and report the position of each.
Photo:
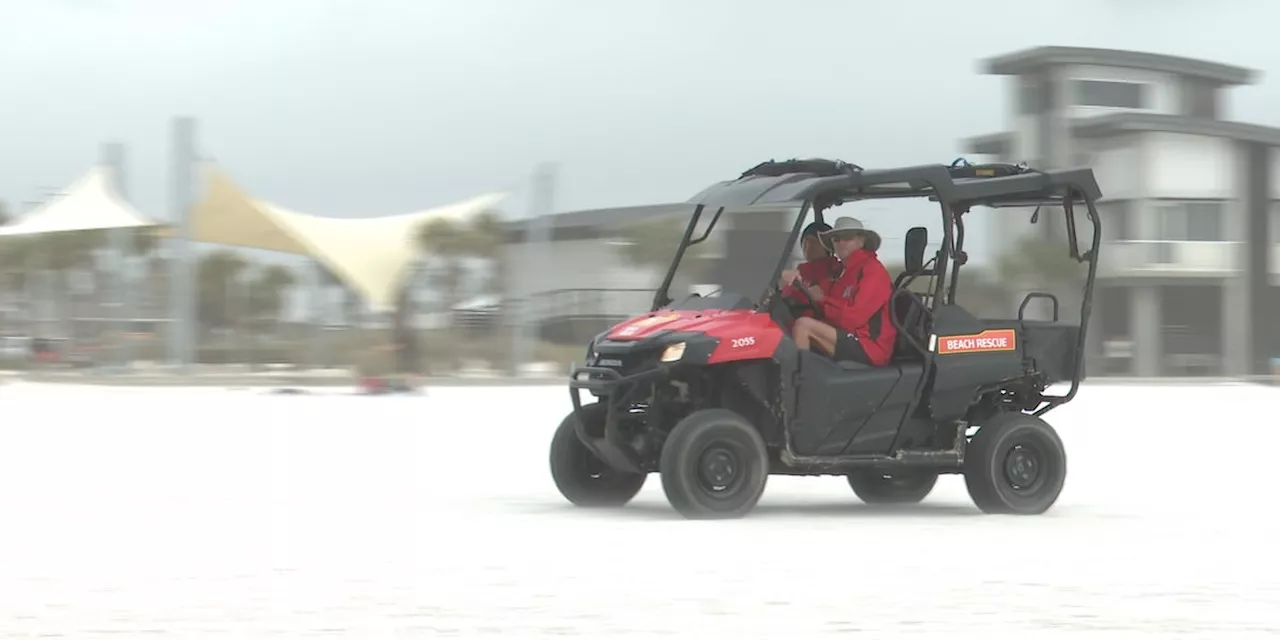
(872, 294)
(807, 275)
(787, 284)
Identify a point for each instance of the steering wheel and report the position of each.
(795, 307)
(808, 297)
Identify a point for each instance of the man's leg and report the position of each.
(849, 349)
(808, 330)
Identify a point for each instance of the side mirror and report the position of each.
(916, 240)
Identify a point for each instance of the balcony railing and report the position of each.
(1170, 257)
(589, 302)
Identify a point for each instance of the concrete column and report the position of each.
(182, 298)
(1144, 330)
(1093, 340)
(1062, 152)
(541, 203)
(1257, 251)
(1236, 326)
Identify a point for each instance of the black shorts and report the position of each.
(849, 349)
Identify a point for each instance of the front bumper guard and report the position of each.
(616, 389)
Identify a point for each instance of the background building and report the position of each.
(1191, 216)
(577, 280)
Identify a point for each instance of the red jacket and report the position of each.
(858, 302)
(820, 272)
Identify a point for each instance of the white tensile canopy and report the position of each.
(90, 203)
(371, 255)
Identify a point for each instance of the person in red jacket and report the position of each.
(855, 309)
(819, 268)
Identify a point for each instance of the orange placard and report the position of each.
(987, 341)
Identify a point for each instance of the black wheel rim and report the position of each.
(1024, 468)
(720, 471)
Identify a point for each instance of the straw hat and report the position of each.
(849, 226)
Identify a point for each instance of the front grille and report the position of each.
(623, 357)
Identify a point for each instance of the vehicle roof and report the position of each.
(790, 183)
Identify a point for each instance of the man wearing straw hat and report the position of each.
(855, 308)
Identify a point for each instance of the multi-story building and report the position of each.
(1191, 209)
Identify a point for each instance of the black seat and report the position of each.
(908, 306)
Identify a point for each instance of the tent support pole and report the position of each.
(541, 204)
(182, 330)
(118, 289)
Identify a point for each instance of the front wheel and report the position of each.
(901, 487)
(1015, 464)
(714, 465)
(581, 477)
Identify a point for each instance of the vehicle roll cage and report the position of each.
(819, 184)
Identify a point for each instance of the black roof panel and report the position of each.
(791, 183)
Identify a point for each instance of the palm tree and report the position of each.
(138, 293)
(14, 254)
(451, 246)
(1040, 264)
(268, 292)
(652, 244)
(66, 255)
(489, 235)
(9, 258)
(216, 274)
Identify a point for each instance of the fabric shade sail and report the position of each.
(371, 255)
(91, 203)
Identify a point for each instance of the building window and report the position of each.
(1116, 217)
(1199, 99)
(1274, 223)
(1190, 221)
(1109, 93)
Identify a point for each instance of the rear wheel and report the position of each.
(581, 477)
(714, 465)
(1015, 464)
(899, 487)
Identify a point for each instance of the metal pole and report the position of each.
(315, 303)
(182, 275)
(38, 286)
(118, 288)
(538, 237)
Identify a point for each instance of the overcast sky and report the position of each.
(371, 107)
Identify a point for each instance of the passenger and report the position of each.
(855, 309)
(819, 268)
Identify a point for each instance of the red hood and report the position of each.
(709, 321)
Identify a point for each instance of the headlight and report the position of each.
(673, 352)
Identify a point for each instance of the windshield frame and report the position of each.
(662, 297)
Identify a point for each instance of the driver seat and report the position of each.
(908, 306)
